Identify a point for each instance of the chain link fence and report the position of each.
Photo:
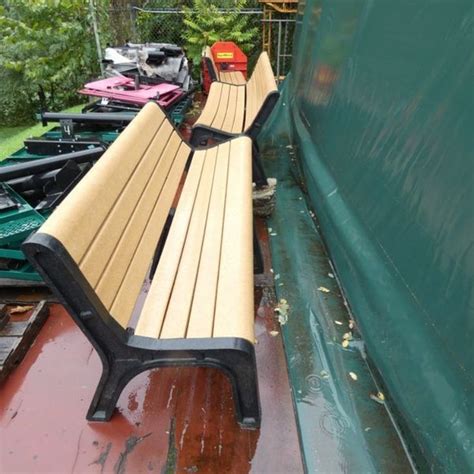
(166, 25)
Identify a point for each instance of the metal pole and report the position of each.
(278, 52)
(96, 34)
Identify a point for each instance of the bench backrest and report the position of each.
(111, 222)
(260, 86)
(210, 64)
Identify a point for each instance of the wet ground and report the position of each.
(168, 420)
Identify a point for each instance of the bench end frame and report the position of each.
(124, 355)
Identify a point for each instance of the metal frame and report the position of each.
(123, 354)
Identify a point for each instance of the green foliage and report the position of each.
(205, 25)
(48, 51)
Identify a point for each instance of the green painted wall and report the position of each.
(381, 102)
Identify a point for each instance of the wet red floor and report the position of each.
(168, 420)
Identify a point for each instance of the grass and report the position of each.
(11, 138)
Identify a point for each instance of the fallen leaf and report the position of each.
(282, 310)
(324, 374)
(345, 343)
(330, 275)
(353, 375)
(379, 397)
(339, 323)
(351, 324)
(21, 309)
(274, 333)
(347, 336)
(277, 276)
(323, 289)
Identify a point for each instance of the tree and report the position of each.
(48, 52)
(205, 25)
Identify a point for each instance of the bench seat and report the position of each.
(228, 77)
(232, 110)
(232, 77)
(96, 252)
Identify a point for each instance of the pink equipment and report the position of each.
(124, 89)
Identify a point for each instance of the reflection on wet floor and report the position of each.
(173, 419)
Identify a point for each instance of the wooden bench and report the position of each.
(228, 77)
(232, 110)
(95, 251)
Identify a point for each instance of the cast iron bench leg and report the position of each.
(113, 380)
(241, 368)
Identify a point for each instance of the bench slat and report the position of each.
(234, 300)
(223, 107)
(251, 99)
(112, 229)
(228, 123)
(232, 77)
(87, 206)
(212, 104)
(133, 234)
(239, 111)
(128, 292)
(179, 306)
(201, 319)
(156, 303)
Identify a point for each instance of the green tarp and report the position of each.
(379, 106)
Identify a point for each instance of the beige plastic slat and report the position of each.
(222, 109)
(250, 101)
(261, 84)
(234, 313)
(177, 314)
(232, 105)
(127, 294)
(212, 104)
(102, 247)
(233, 77)
(131, 236)
(201, 319)
(238, 125)
(156, 303)
(85, 208)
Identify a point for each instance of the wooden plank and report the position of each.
(177, 314)
(201, 319)
(234, 315)
(17, 337)
(156, 303)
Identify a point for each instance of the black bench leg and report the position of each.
(258, 264)
(113, 381)
(199, 137)
(258, 173)
(241, 368)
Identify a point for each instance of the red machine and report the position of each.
(229, 57)
(223, 56)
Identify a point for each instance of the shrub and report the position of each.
(48, 51)
(205, 25)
